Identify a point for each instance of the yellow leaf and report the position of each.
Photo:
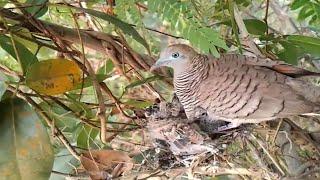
(53, 76)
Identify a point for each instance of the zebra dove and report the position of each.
(238, 89)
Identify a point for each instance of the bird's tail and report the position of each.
(305, 89)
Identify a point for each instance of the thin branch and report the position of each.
(75, 113)
(244, 33)
(91, 39)
(102, 107)
(160, 32)
(6, 71)
(137, 58)
(37, 42)
(48, 120)
(267, 152)
(277, 131)
(70, 175)
(266, 21)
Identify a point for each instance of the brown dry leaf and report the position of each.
(53, 76)
(99, 162)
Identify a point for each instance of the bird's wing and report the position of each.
(278, 66)
(239, 89)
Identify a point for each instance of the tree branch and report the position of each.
(91, 39)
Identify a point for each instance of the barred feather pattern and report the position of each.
(186, 83)
(235, 88)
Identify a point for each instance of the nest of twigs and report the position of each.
(271, 150)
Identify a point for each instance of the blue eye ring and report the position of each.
(175, 55)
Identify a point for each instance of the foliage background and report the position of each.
(115, 43)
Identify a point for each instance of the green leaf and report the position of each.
(31, 45)
(298, 3)
(308, 44)
(102, 74)
(125, 27)
(244, 3)
(178, 14)
(314, 21)
(63, 118)
(86, 137)
(80, 107)
(141, 82)
(138, 103)
(25, 149)
(64, 162)
(3, 85)
(106, 68)
(152, 5)
(254, 26)
(213, 37)
(305, 12)
(87, 81)
(290, 53)
(39, 9)
(25, 56)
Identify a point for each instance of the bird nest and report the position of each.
(270, 150)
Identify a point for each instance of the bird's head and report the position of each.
(177, 56)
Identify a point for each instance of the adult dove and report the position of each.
(237, 88)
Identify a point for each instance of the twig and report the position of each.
(306, 136)
(244, 33)
(53, 31)
(277, 131)
(102, 107)
(48, 120)
(282, 15)
(160, 32)
(134, 55)
(142, 6)
(70, 175)
(5, 70)
(56, 39)
(75, 113)
(256, 156)
(304, 175)
(90, 21)
(37, 42)
(91, 39)
(231, 7)
(266, 21)
(267, 152)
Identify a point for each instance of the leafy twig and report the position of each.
(233, 24)
(102, 107)
(160, 32)
(48, 120)
(244, 33)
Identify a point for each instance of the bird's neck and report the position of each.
(193, 74)
(197, 66)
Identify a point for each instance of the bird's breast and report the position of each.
(187, 88)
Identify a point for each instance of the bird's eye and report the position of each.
(175, 55)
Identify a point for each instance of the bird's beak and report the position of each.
(159, 64)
